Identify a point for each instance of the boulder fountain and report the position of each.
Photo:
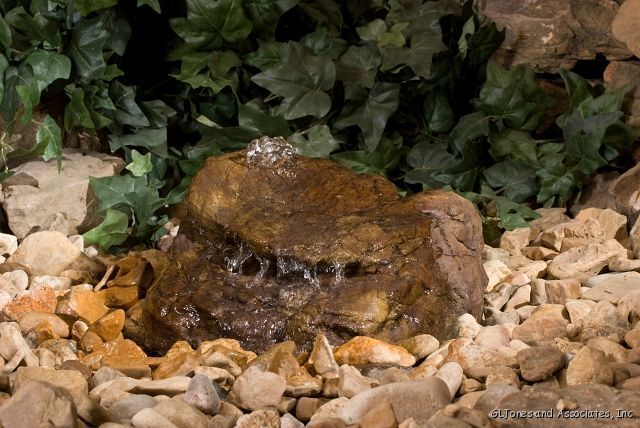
(278, 246)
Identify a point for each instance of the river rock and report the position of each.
(39, 193)
(544, 325)
(624, 26)
(413, 399)
(589, 366)
(585, 261)
(591, 397)
(362, 351)
(539, 362)
(330, 251)
(604, 320)
(551, 35)
(626, 190)
(50, 253)
(612, 286)
(256, 389)
(39, 404)
(129, 406)
(619, 73)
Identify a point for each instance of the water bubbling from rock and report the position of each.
(271, 153)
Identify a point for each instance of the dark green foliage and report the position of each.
(402, 88)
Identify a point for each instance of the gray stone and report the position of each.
(34, 207)
(129, 406)
(202, 395)
(417, 399)
(39, 405)
(104, 374)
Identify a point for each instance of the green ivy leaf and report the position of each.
(4, 64)
(153, 4)
(267, 55)
(517, 178)
(127, 110)
(513, 215)
(154, 140)
(437, 112)
(37, 27)
(76, 113)
(383, 159)
(220, 70)
(252, 118)
(468, 129)
(49, 140)
(584, 137)
(301, 81)
(429, 160)
(513, 95)
(317, 142)
(140, 164)
(88, 39)
(30, 97)
(48, 67)
(158, 112)
(14, 77)
(557, 182)
(211, 22)
(321, 42)
(264, 15)
(514, 143)
(112, 231)
(370, 110)
(117, 191)
(5, 35)
(85, 7)
(359, 65)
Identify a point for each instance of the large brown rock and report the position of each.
(282, 246)
(554, 34)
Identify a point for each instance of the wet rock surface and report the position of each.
(282, 246)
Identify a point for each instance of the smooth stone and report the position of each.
(71, 380)
(14, 349)
(624, 26)
(181, 414)
(629, 307)
(558, 291)
(493, 337)
(129, 406)
(544, 325)
(351, 382)
(361, 351)
(475, 360)
(604, 320)
(612, 286)
(585, 261)
(49, 253)
(109, 326)
(341, 219)
(37, 299)
(288, 421)
(18, 278)
(149, 418)
(87, 305)
(39, 404)
(578, 309)
(202, 395)
(539, 362)
(306, 407)
(420, 346)
(502, 375)
(259, 418)
(30, 320)
(589, 366)
(417, 399)
(8, 244)
(55, 282)
(612, 350)
(255, 389)
(170, 387)
(592, 398)
(451, 374)
(104, 374)
(468, 326)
